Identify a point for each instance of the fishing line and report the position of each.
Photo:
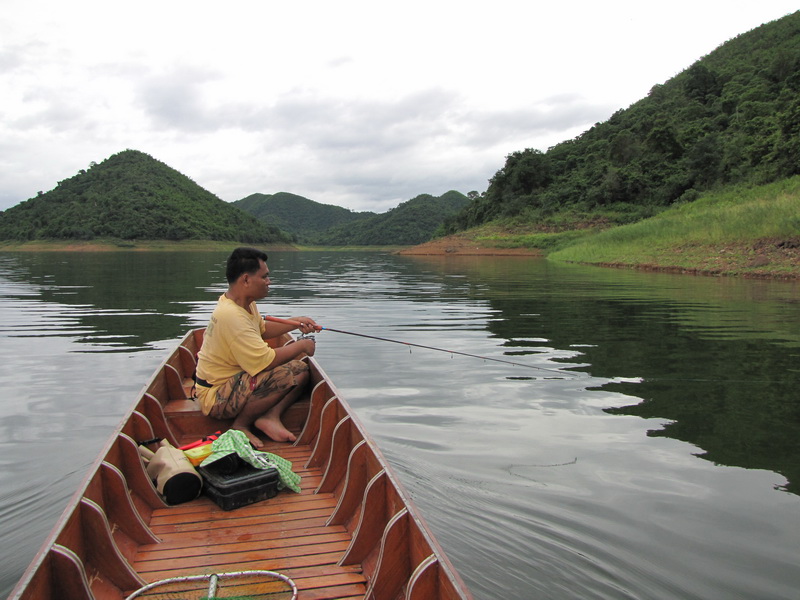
(501, 360)
(411, 344)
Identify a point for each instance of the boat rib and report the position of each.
(352, 532)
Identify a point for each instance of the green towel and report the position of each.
(236, 441)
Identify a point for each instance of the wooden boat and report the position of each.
(351, 533)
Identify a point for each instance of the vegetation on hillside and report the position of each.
(296, 215)
(309, 222)
(411, 222)
(739, 231)
(733, 117)
(131, 196)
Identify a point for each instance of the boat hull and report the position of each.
(352, 532)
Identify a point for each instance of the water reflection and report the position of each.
(106, 301)
(717, 358)
(577, 477)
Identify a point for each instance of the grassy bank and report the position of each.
(745, 231)
(549, 232)
(384, 249)
(751, 232)
(740, 231)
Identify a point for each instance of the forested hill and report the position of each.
(411, 222)
(128, 196)
(733, 117)
(309, 222)
(304, 219)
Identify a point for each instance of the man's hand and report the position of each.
(292, 351)
(307, 345)
(307, 324)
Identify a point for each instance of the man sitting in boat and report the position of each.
(239, 376)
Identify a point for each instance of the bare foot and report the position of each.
(257, 443)
(273, 427)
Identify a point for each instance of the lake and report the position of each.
(645, 446)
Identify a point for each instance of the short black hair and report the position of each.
(243, 260)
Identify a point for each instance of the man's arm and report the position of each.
(273, 329)
(292, 351)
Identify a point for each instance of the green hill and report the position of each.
(130, 196)
(733, 117)
(309, 222)
(411, 222)
(304, 219)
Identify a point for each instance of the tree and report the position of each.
(701, 83)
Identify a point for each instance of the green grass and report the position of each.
(689, 235)
(349, 248)
(542, 241)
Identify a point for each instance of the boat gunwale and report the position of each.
(73, 503)
(447, 567)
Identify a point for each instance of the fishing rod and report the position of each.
(383, 339)
(500, 360)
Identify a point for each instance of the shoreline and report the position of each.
(130, 246)
(766, 260)
(730, 261)
(698, 272)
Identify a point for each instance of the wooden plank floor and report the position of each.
(285, 534)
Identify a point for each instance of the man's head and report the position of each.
(243, 260)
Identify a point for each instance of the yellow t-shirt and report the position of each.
(232, 344)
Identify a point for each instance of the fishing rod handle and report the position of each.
(290, 322)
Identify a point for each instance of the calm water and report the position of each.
(651, 452)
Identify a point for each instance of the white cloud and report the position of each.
(355, 103)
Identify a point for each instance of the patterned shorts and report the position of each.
(234, 393)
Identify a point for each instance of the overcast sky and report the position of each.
(359, 104)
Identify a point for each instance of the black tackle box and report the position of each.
(236, 488)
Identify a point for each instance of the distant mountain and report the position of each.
(310, 222)
(304, 219)
(131, 195)
(412, 222)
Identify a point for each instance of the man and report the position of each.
(239, 376)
